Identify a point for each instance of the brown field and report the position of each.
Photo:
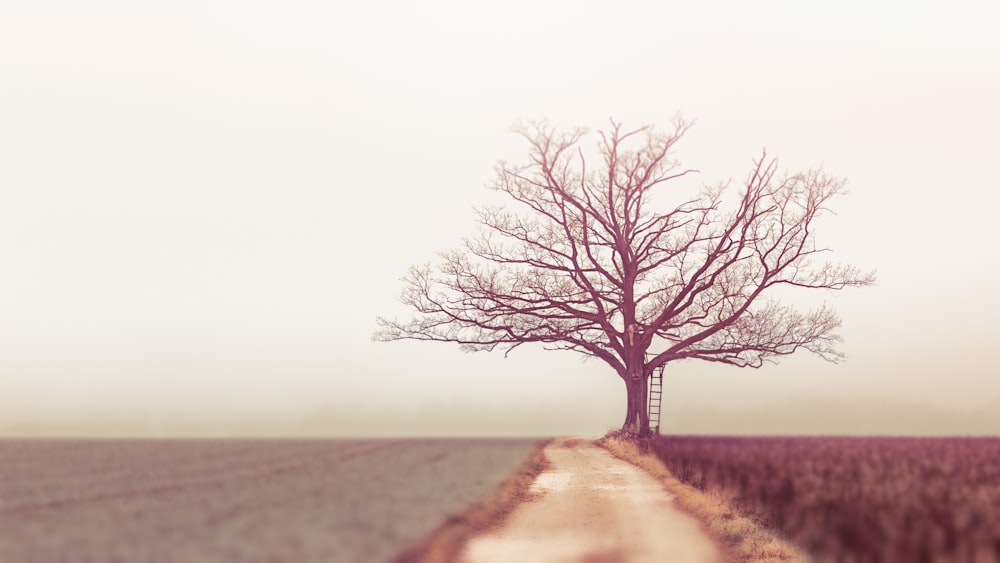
(901, 500)
(238, 500)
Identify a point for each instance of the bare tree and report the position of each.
(585, 261)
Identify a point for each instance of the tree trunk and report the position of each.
(637, 409)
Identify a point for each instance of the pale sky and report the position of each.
(204, 205)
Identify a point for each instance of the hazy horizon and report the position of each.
(204, 206)
(808, 416)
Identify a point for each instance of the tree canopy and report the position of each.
(583, 259)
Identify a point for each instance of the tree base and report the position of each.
(635, 429)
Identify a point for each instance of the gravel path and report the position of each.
(594, 508)
(237, 500)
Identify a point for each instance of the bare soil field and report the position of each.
(238, 500)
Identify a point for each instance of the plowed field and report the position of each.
(237, 500)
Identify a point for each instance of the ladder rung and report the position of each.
(654, 399)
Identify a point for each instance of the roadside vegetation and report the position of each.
(444, 544)
(740, 535)
(853, 499)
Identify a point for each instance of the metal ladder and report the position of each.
(655, 394)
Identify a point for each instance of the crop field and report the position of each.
(857, 499)
(238, 500)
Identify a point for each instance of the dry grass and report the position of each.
(742, 539)
(860, 499)
(444, 545)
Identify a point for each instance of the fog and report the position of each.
(204, 206)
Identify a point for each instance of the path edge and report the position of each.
(445, 543)
(738, 536)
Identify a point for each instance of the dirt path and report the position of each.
(594, 508)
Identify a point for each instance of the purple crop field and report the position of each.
(907, 500)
